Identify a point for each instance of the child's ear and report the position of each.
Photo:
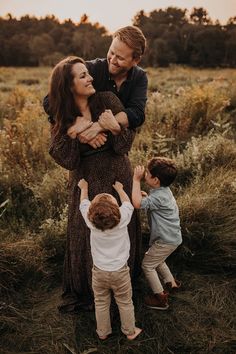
(157, 181)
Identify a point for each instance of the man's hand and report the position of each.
(80, 125)
(98, 141)
(109, 122)
(139, 173)
(90, 133)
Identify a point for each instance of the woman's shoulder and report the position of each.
(106, 95)
(108, 100)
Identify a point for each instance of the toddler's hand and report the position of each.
(144, 194)
(82, 183)
(118, 186)
(139, 172)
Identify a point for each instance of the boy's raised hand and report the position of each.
(118, 186)
(120, 190)
(139, 172)
(83, 184)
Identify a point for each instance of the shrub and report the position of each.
(207, 211)
(204, 154)
(192, 113)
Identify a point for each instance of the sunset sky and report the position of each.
(111, 14)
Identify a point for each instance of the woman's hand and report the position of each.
(80, 125)
(98, 141)
(109, 122)
(90, 133)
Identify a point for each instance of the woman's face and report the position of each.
(82, 82)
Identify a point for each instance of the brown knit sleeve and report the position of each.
(65, 151)
(111, 101)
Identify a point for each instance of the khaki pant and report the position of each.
(154, 264)
(103, 282)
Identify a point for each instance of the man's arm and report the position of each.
(136, 189)
(135, 101)
(135, 105)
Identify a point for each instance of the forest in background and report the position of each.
(174, 36)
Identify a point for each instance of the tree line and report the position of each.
(174, 36)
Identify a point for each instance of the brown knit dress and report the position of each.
(101, 168)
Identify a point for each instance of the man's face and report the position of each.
(120, 58)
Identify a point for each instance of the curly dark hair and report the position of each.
(164, 169)
(103, 213)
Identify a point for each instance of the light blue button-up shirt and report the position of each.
(163, 216)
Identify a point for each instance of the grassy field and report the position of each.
(191, 118)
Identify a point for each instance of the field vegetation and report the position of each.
(191, 118)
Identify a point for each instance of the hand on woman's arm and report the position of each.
(90, 133)
(80, 129)
(81, 124)
(98, 141)
(109, 122)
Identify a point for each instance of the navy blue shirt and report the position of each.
(132, 93)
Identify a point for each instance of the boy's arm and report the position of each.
(136, 189)
(120, 190)
(83, 185)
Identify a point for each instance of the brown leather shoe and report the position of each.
(157, 301)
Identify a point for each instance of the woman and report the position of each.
(76, 107)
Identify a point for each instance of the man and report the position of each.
(120, 73)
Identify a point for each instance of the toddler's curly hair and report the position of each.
(104, 214)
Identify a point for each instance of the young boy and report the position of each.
(110, 247)
(165, 231)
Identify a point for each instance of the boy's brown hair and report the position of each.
(104, 214)
(134, 38)
(164, 169)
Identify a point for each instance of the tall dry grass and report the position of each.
(191, 118)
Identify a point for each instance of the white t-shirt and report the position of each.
(110, 248)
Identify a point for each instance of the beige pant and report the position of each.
(154, 264)
(103, 282)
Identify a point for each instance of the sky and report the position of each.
(111, 14)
